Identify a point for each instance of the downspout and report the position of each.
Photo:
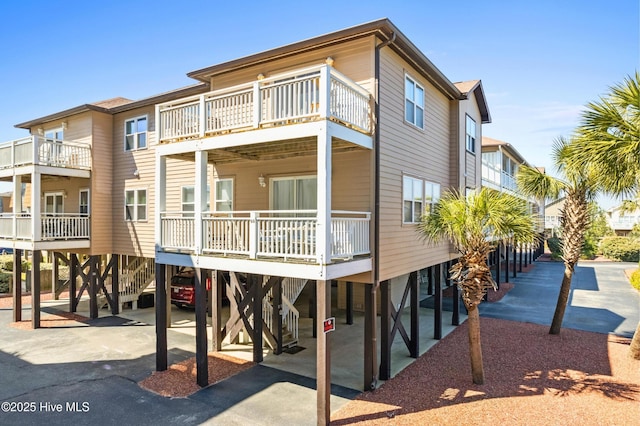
(376, 211)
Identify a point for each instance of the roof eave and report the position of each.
(382, 27)
(60, 115)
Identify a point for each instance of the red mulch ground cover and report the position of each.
(531, 378)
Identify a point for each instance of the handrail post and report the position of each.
(325, 91)
(203, 117)
(253, 235)
(257, 104)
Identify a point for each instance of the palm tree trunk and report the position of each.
(563, 298)
(634, 349)
(475, 349)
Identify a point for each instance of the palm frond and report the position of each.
(534, 183)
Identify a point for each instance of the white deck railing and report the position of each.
(64, 226)
(45, 152)
(288, 234)
(310, 93)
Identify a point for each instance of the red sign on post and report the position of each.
(329, 324)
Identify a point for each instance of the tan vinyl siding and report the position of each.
(353, 59)
(457, 148)
(133, 238)
(405, 149)
(70, 188)
(100, 194)
(351, 180)
(473, 162)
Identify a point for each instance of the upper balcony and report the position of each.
(41, 151)
(307, 94)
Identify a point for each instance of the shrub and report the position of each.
(6, 263)
(555, 246)
(5, 280)
(635, 279)
(622, 249)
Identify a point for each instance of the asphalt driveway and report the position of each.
(88, 374)
(601, 298)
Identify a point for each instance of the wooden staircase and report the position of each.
(291, 289)
(134, 278)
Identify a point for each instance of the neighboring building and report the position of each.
(553, 211)
(308, 163)
(622, 222)
(500, 164)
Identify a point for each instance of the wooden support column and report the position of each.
(414, 341)
(515, 259)
(256, 287)
(115, 284)
(312, 310)
(429, 281)
(349, 302)
(455, 316)
(276, 326)
(93, 287)
(216, 310)
(437, 314)
(520, 253)
(73, 275)
(17, 285)
(161, 317)
(370, 343)
(323, 354)
(498, 264)
(202, 365)
(35, 289)
(385, 330)
(55, 275)
(507, 252)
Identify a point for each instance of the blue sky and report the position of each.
(540, 62)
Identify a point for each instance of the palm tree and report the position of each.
(609, 138)
(579, 190)
(472, 223)
(609, 143)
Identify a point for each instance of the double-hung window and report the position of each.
(471, 134)
(414, 102)
(135, 134)
(83, 202)
(224, 195)
(189, 200)
(135, 205)
(418, 196)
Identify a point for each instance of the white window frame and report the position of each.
(470, 140)
(88, 213)
(190, 213)
(216, 201)
(136, 134)
(136, 205)
(417, 108)
(429, 195)
(295, 192)
(53, 194)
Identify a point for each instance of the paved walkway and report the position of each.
(601, 298)
(95, 369)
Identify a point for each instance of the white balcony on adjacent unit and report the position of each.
(40, 151)
(306, 94)
(45, 228)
